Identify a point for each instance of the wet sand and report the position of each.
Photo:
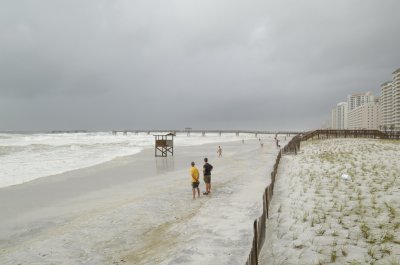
(139, 210)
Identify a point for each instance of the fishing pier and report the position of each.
(188, 131)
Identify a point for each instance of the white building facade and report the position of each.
(359, 99)
(390, 103)
(341, 115)
(396, 100)
(333, 118)
(365, 117)
(386, 105)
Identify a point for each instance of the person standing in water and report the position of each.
(219, 151)
(207, 175)
(194, 173)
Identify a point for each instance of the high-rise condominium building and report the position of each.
(359, 99)
(341, 115)
(390, 103)
(363, 112)
(365, 116)
(396, 99)
(386, 105)
(333, 118)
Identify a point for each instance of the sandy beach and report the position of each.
(138, 210)
(336, 202)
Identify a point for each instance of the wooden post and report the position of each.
(272, 183)
(255, 245)
(272, 178)
(269, 195)
(267, 202)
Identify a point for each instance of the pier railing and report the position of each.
(188, 131)
(375, 134)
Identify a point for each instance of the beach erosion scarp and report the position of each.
(336, 202)
(139, 210)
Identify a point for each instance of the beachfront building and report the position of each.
(333, 118)
(390, 103)
(386, 105)
(341, 116)
(396, 99)
(359, 99)
(366, 116)
(365, 111)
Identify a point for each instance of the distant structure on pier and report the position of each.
(188, 130)
(164, 144)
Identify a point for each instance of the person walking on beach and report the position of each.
(194, 173)
(277, 143)
(207, 175)
(219, 151)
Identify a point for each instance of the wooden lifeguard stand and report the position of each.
(164, 144)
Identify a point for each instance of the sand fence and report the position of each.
(259, 225)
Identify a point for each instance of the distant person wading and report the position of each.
(219, 151)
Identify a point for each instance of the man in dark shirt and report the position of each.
(207, 175)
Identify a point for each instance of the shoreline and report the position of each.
(62, 154)
(53, 210)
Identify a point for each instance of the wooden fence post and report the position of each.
(255, 243)
(267, 201)
(272, 178)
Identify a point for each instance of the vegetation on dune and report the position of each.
(358, 216)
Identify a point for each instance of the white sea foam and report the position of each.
(25, 157)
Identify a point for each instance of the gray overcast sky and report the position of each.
(228, 64)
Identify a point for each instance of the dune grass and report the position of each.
(339, 221)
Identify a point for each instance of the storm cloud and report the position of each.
(227, 64)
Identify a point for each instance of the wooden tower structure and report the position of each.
(164, 144)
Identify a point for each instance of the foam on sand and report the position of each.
(131, 212)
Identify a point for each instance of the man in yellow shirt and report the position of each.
(194, 173)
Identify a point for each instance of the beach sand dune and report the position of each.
(336, 202)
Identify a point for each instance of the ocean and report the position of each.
(25, 157)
